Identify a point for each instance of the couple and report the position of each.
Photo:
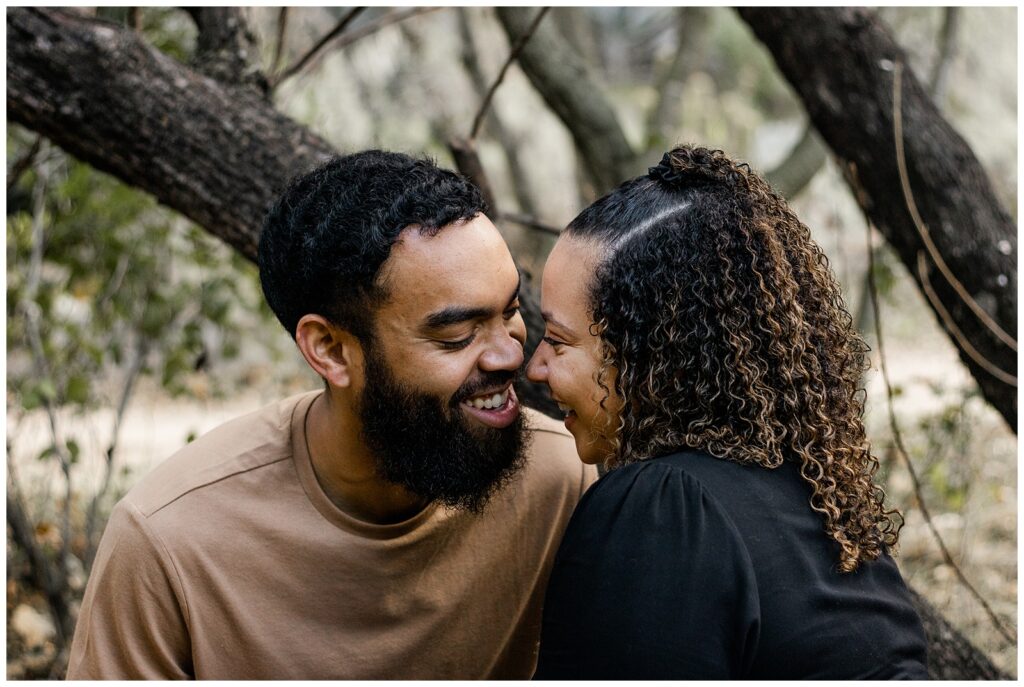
(411, 520)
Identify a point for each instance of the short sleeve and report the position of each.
(652, 581)
(132, 624)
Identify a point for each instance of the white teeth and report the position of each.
(489, 402)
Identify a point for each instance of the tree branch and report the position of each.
(562, 79)
(793, 174)
(840, 61)
(516, 48)
(692, 34)
(279, 44)
(922, 229)
(215, 153)
(468, 163)
(226, 49)
(314, 53)
(939, 78)
(351, 37)
(508, 141)
(531, 222)
(23, 163)
(901, 449)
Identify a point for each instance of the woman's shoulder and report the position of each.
(670, 491)
(686, 469)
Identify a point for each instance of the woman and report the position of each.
(700, 349)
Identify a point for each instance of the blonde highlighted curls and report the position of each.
(724, 330)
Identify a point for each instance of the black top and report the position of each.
(687, 566)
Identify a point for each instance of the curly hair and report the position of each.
(724, 330)
(325, 239)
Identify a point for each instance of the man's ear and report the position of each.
(334, 353)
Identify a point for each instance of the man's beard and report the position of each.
(429, 449)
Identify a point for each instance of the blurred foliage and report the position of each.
(119, 275)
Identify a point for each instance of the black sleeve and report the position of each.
(652, 581)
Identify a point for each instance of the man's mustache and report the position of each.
(486, 380)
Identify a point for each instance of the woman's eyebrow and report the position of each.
(550, 319)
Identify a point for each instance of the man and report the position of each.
(401, 523)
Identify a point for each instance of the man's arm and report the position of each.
(133, 623)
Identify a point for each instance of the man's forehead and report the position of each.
(465, 264)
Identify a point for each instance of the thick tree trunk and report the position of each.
(842, 63)
(214, 153)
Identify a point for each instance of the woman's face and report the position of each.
(569, 356)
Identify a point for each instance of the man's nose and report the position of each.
(506, 353)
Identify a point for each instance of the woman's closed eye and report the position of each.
(554, 343)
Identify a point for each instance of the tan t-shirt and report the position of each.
(228, 561)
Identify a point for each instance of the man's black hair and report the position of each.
(325, 239)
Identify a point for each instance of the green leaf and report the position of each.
(73, 450)
(46, 390)
(78, 389)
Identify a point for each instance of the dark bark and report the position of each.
(950, 655)
(561, 77)
(467, 160)
(217, 154)
(226, 49)
(841, 62)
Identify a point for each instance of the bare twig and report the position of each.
(517, 48)
(43, 571)
(468, 163)
(508, 140)
(357, 34)
(282, 32)
(134, 369)
(901, 449)
(315, 52)
(933, 298)
(23, 163)
(933, 252)
(135, 18)
(528, 221)
(947, 51)
(30, 308)
(48, 576)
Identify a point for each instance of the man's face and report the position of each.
(437, 404)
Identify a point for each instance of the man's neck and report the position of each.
(345, 468)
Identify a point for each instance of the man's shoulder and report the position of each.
(246, 443)
(552, 452)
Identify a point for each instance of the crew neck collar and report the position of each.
(336, 516)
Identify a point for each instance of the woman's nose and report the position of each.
(537, 368)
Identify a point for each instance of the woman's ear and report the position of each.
(334, 353)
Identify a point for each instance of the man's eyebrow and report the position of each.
(454, 314)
